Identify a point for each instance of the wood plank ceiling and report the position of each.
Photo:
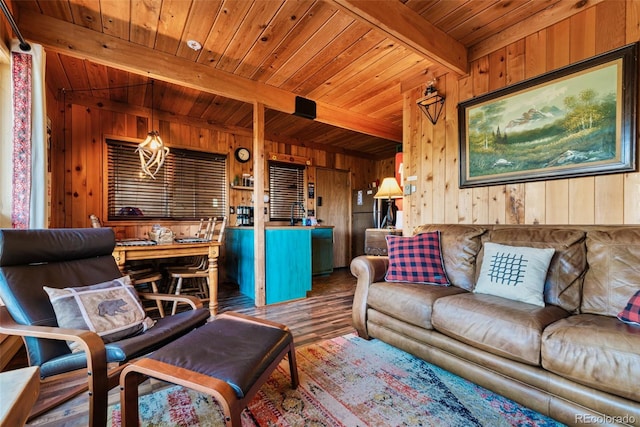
(350, 56)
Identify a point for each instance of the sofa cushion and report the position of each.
(596, 351)
(614, 269)
(563, 286)
(409, 302)
(416, 259)
(111, 309)
(460, 245)
(631, 313)
(514, 272)
(503, 327)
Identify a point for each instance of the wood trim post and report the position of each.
(259, 242)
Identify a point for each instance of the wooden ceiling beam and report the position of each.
(407, 27)
(79, 42)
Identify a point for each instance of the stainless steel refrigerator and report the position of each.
(363, 216)
(365, 213)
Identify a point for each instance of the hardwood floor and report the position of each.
(324, 314)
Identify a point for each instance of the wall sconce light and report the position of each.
(432, 103)
(152, 150)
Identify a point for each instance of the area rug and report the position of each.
(347, 381)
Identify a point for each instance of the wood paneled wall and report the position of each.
(431, 152)
(78, 158)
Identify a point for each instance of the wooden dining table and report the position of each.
(124, 253)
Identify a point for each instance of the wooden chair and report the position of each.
(200, 273)
(148, 282)
(60, 258)
(199, 286)
(144, 278)
(205, 232)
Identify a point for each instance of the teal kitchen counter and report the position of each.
(293, 255)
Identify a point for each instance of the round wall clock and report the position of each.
(242, 155)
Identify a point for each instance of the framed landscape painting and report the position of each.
(576, 121)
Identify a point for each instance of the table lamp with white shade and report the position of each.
(389, 189)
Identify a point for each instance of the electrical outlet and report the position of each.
(232, 210)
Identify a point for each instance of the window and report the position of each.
(286, 187)
(190, 185)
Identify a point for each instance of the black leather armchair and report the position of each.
(31, 259)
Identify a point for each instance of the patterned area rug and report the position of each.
(348, 381)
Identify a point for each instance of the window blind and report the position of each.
(286, 187)
(190, 185)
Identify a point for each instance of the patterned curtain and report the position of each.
(29, 199)
(21, 74)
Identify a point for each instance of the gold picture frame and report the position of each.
(575, 121)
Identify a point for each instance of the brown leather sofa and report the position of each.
(572, 360)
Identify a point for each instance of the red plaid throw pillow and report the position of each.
(631, 313)
(416, 259)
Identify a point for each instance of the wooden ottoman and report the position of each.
(228, 358)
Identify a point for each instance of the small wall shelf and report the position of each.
(241, 187)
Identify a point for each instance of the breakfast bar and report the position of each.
(293, 255)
